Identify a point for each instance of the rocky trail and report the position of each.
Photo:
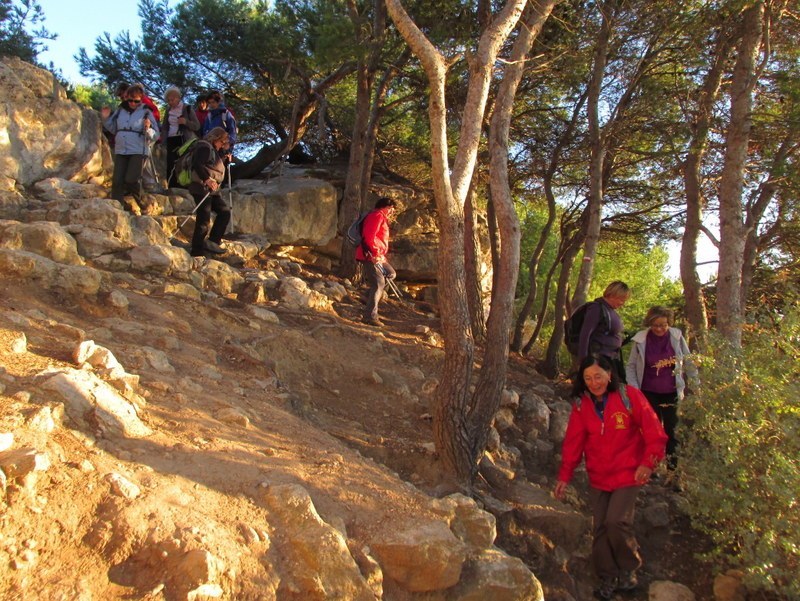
(184, 428)
(268, 431)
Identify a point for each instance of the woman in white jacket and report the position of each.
(659, 366)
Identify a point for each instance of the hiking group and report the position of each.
(621, 430)
(198, 164)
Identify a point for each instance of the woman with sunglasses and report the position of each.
(134, 128)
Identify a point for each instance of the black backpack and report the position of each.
(574, 323)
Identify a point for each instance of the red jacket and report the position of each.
(615, 447)
(375, 235)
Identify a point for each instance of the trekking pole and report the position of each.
(393, 287)
(188, 217)
(230, 197)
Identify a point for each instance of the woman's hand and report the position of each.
(642, 475)
(211, 184)
(558, 491)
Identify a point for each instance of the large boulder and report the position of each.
(44, 238)
(289, 211)
(47, 134)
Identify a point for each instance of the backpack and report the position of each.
(574, 323)
(183, 164)
(354, 234)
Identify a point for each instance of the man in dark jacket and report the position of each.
(372, 254)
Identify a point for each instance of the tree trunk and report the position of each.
(452, 435)
(352, 197)
(304, 106)
(695, 305)
(551, 365)
(356, 189)
(730, 318)
(472, 258)
(594, 208)
(533, 267)
(492, 379)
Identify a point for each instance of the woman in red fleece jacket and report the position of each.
(622, 442)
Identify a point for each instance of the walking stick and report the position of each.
(230, 197)
(190, 215)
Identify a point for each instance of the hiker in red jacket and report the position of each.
(616, 430)
(372, 253)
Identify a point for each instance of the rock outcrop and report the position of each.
(47, 134)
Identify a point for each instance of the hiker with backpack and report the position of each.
(615, 430)
(208, 173)
(601, 331)
(220, 116)
(134, 128)
(371, 252)
(180, 124)
(659, 366)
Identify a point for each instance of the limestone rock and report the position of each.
(101, 227)
(221, 278)
(6, 441)
(183, 290)
(19, 343)
(233, 416)
(18, 463)
(471, 524)
(56, 188)
(53, 136)
(295, 294)
(146, 231)
(94, 404)
(287, 210)
(322, 567)
(663, 590)
(559, 418)
(509, 399)
(333, 290)
(420, 557)
(44, 238)
(503, 419)
(72, 280)
(494, 575)
(195, 575)
(46, 419)
(165, 260)
(122, 487)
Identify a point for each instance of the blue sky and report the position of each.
(79, 23)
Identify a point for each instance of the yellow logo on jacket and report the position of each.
(620, 420)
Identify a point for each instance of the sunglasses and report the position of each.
(134, 101)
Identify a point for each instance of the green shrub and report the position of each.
(740, 455)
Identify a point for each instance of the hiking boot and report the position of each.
(606, 588)
(372, 321)
(213, 247)
(627, 581)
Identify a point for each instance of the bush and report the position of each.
(740, 455)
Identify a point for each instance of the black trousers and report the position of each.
(666, 407)
(173, 144)
(215, 203)
(127, 178)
